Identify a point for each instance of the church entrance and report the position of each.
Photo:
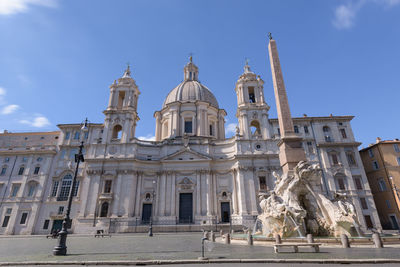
(146, 214)
(225, 212)
(185, 208)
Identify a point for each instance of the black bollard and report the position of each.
(345, 241)
(227, 239)
(376, 237)
(278, 239)
(249, 238)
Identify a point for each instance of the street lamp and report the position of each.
(151, 221)
(61, 248)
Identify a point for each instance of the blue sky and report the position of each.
(59, 57)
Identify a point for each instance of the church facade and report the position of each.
(190, 175)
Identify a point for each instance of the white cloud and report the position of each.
(230, 129)
(9, 109)
(345, 14)
(148, 137)
(38, 122)
(2, 94)
(10, 7)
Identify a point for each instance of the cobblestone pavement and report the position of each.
(165, 247)
(249, 265)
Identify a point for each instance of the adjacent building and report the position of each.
(190, 175)
(382, 165)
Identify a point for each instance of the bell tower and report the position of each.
(121, 113)
(252, 111)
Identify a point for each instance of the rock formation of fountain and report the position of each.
(298, 206)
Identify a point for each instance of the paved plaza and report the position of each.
(180, 246)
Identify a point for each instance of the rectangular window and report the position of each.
(188, 126)
(31, 190)
(9, 210)
(211, 130)
(67, 134)
(350, 158)
(343, 133)
(23, 218)
(24, 159)
(60, 210)
(306, 129)
(76, 136)
(370, 153)
(3, 171)
(54, 188)
(14, 190)
(263, 183)
(368, 221)
(375, 165)
(398, 161)
(107, 186)
(46, 224)
(5, 221)
(357, 181)
(382, 185)
(279, 131)
(396, 147)
(310, 147)
(7, 159)
(36, 171)
(341, 183)
(364, 204)
(21, 171)
(296, 129)
(334, 159)
(388, 204)
(86, 135)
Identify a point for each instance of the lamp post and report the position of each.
(151, 217)
(61, 248)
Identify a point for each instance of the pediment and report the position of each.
(186, 154)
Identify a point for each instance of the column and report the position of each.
(138, 194)
(245, 129)
(132, 193)
(209, 192)
(84, 195)
(94, 188)
(117, 195)
(158, 126)
(252, 195)
(173, 194)
(162, 190)
(198, 193)
(234, 193)
(241, 193)
(214, 194)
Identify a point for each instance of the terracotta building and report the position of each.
(382, 166)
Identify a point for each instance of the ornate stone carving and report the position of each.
(297, 206)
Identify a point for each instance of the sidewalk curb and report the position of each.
(189, 261)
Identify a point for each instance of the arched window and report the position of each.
(117, 131)
(255, 128)
(66, 184)
(21, 170)
(36, 170)
(104, 209)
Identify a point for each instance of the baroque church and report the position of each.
(191, 177)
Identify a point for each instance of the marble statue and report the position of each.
(298, 206)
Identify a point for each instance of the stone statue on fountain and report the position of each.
(298, 206)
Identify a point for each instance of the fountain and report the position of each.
(298, 206)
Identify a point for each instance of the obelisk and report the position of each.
(291, 150)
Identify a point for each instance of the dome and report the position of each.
(191, 89)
